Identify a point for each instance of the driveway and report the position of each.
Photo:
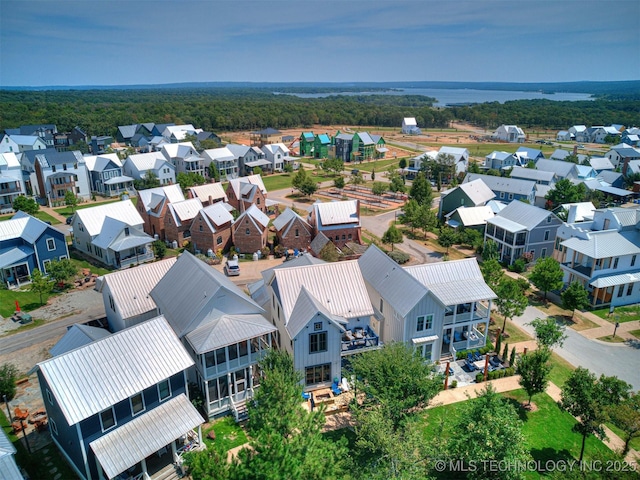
(611, 359)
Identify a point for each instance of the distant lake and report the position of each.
(446, 96)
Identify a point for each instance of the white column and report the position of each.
(143, 464)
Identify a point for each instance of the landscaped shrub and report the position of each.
(518, 266)
(512, 357)
(454, 384)
(278, 251)
(399, 257)
(510, 371)
(479, 377)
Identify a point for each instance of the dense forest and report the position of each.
(99, 112)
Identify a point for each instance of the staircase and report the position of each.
(447, 357)
(170, 472)
(240, 412)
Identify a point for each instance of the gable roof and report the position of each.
(601, 163)
(524, 214)
(152, 197)
(148, 161)
(77, 336)
(236, 184)
(257, 217)
(209, 192)
(192, 294)
(398, 288)
(8, 468)
(181, 150)
(130, 288)
(531, 174)
(603, 244)
(503, 184)
(184, 211)
(336, 213)
(93, 218)
(306, 308)
(97, 163)
(477, 191)
(286, 219)
(472, 216)
(89, 379)
(228, 330)
(453, 282)
(216, 215)
(22, 225)
(338, 286)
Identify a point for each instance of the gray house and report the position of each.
(506, 189)
(521, 228)
(471, 194)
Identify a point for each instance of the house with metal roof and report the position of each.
(460, 157)
(474, 193)
(246, 191)
(153, 204)
(226, 161)
(114, 402)
(321, 145)
(506, 189)
(541, 177)
(211, 229)
(600, 164)
(177, 133)
(250, 230)
(208, 194)
(12, 184)
(184, 157)
(126, 293)
(177, 221)
(470, 217)
(357, 147)
(260, 138)
(561, 154)
(521, 228)
(21, 143)
(437, 308)
(27, 243)
(293, 231)
(323, 314)
(245, 159)
(78, 335)
(509, 133)
(112, 234)
(106, 175)
(52, 174)
(498, 160)
(579, 133)
(599, 134)
(339, 221)
(410, 126)
(8, 465)
(621, 154)
(224, 331)
(139, 165)
(560, 168)
(602, 254)
(277, 156)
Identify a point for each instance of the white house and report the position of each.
(579, 133)
(277, 155)
(177, 133)
(139, 165)
(460, 157)
(410, 126)
(184, 157)
(112, 234)
(226, 161)
(11, 181)
(509, 133)
(622, 154)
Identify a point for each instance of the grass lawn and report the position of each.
(635, 333)
(547, 431)
(45, 217)
(515, 333)
(81, 263)
(612, 339)
(283, 180)
(380, 166)
(228, 434)
(67, 211)
(32, 462)
(560, 370)
(28, 300)
(620, 314)
(635, 443)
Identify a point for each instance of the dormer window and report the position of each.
(126, 231)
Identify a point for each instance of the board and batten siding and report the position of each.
(302, 358)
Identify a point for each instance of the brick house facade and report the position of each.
(246, 191)
(211, 229)
(339, 221)
(250, 230)
(177, 221)
(292, 231)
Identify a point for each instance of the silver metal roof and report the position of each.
(339, 287)
(228, 330)
(470, 216)
(132, 442)
(8, 468)
(213, 191)
(337, 213)
(185, 211)
(23, 226)
(503, 184)
(92, 378)
(398, 288)
(613, 280)
(256, 215)
(306, 308)
(93, 218)
(603, 244)
(560, 168)
(216, 215)
(78, 336)
(193, 293)
(10, 256)
(235, 183)
(531, 174)
(152, 197)
(131, 288)
(506, 224)
(524, 214)
(477, 191)
(453, 282)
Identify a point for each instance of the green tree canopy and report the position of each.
(626, 416)
(421, 190)
(590, 399)
(490, 251)
(392, 236)
(379, 188)
(8, 377)
(547, 275)
(338, 182)
(150, 180)
(40, 284)
(548, 333)
(333, 165)
(565, 191)
(62, 270)
(511, 301)
(492, 273)
(575, 297)
(26, 204)
(534, 369)
(447, 237)
(190, 179)
(488, 428)
(71, 200)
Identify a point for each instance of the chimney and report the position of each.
(572, 214)
(210, 200)
(575, 149)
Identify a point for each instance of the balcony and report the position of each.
(481, 312)
(8, 190)
(359, 340)
(581, 269)
(132, 260)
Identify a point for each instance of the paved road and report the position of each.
(617, 359)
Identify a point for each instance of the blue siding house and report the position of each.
(27, 243)
(120, 404)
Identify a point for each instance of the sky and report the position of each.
(129, 42)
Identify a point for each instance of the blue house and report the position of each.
(121, 404)
(27, 243)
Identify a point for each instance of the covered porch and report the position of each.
(166, 431)
(14, 266)
(132, 249)
(614, 290)
(116, 186)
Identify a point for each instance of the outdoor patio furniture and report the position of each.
(495, 361)
(477, 356)
(17, 427)
(470, 365)
(349, 335)
(21, 414)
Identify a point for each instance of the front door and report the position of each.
(239, 385)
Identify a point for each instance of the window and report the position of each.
(317, 326)
(164, 390)
(543, 253)
(258, 201)
(51, 244)
(126, 231)
(54, 427)
(425, 350)
(53, 168)
(107, 419)
(501, 194)
(381, 305)
(297, 232)
(424, 322)
(46, 264)
(511, 196)
(633, 260)
(219, 240)
(620, 290)
(49, 397)
(318, 342)
(629, 289)
(247, 232)
(546, 235)
(318, 374)
(137, 403)
(615, 263)
(112, 303)
(64, 166)
(200, 227)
